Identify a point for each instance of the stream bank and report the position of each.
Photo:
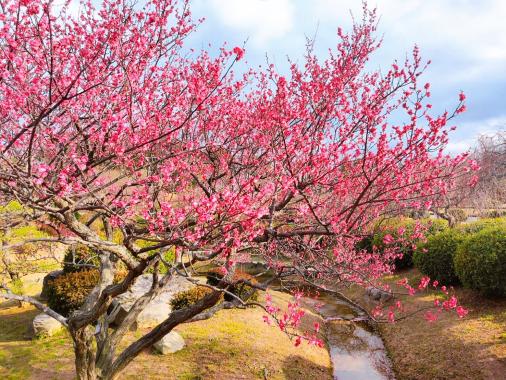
(356, 350)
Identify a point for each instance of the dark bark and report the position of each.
(175, 318)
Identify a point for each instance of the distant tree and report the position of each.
(490, 153)
(106, 119)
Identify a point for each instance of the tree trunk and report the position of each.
(84, 354)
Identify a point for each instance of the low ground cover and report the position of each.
(234, 344)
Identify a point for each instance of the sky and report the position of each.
(464, 39)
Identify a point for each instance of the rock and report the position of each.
(45, 282)
(378, 294)
(157, 310)
(44, 325)
(170, 343)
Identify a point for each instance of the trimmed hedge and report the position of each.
(189, 297)
(69, 291)
(479, 225)
(480, 261)
(434, 258)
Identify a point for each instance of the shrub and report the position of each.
(480, 261)
(457, 213)
(68, 292)
(189, 297)
(77, 255)
(435, 257)
(434, 226)
(479, 225)
(495, 214)
(237, 286)
(391, 227)
(365, 243)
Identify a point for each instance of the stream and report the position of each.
(356, 350)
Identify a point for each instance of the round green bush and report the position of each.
(480, 261)
(434, 258)
(68, 292)
(479, 225)
(79, 257)
(237, 286)
(189, 297)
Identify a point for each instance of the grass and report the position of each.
(451, 348)
(234, 344)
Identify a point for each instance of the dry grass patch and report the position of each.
(451, 348)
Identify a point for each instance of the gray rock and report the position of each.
(157, 310)
(170, 343)
(44, 325)
(378, 294)
(49, 277)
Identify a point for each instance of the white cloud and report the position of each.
(475, 129)
(261, 20)
(472, 32)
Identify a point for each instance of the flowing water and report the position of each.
(356, 350)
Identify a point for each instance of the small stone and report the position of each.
(170, 343)
(378, 294)
(44, 325)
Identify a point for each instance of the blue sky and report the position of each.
(465, 39)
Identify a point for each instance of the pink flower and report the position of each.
(388, 239)
(462, 96)
(430, 316)
(462, 109)
(424, 282)
(461, 312)
(239, 53)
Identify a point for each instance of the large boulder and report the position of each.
(44, 325)
(157, 310)
(170, 343)
(48, 278)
